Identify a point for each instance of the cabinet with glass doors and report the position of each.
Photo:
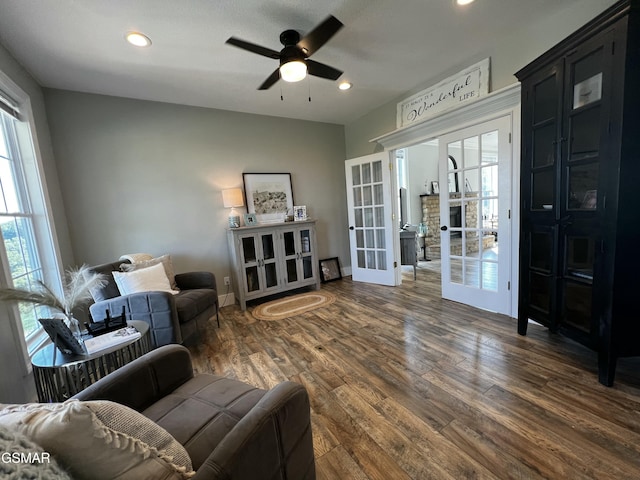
(580, 230)
(273, 258)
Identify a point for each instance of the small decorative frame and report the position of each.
(435, 188)
(250, 219)
(268, 195)
(299, 213)
(330, 270)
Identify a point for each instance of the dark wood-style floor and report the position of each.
(404, 384)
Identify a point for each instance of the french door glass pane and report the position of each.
(471, 152)
(357, 197)
(355, 174)
(377, 171)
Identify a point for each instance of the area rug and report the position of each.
(295, 305)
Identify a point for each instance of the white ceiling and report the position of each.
(386, 48)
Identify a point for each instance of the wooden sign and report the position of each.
(464, 87)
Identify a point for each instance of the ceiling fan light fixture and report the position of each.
(138, 39)
(464, 2)
(345, 85)
(293, 71)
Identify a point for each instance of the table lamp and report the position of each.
(232, 198)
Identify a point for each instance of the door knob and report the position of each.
(444, 228)
(352, 228)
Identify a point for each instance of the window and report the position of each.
(27, 248)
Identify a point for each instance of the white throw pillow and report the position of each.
(166, 262)
(100, 440)
(150, 279)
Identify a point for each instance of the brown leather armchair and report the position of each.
(230, 429)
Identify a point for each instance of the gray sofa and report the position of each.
(231, 430)
(172, 318)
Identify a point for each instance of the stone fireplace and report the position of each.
(431, 218)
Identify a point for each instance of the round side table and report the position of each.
(59, 376)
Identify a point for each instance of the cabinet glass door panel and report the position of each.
(545, 104)
(577, 305)
(585, 133)
(580, 257)
(305, 241)
(307, 267)
(541, 251)
(271, 275)
(251, 277)
(292, 270)
(268, 251)
(248, 249)
(544, 145)
(583, 186)
(289, 243)
(540, 290)
(542, 190)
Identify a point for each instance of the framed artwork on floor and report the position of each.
(330, 270)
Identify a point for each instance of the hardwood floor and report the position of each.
(406, 385)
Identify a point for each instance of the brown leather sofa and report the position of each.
(230, 429)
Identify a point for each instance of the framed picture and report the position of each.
(269, 195)
(250, 219)
(587, 91)
(300, 213)
(61, 336)
(330, 270)
(435, 188)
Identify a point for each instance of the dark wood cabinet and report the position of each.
(580, 185)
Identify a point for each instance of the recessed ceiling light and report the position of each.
(345, 86)
(464, 2)
(138, 39)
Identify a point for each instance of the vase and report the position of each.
(74, 326)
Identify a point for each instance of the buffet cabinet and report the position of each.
(273, 258)
(580, 178)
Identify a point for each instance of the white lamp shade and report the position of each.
(293, 71)
(232, 197)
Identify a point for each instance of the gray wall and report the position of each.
(15, 384)
(507, 55)
(140, 176)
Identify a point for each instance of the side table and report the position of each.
(60, 376)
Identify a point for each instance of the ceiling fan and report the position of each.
(294, 57)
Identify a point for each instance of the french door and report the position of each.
(371, 228)
(475, 198)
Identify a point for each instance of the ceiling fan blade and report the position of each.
(252, 47)
(273, 78)
(320, 35)
(321, 70)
